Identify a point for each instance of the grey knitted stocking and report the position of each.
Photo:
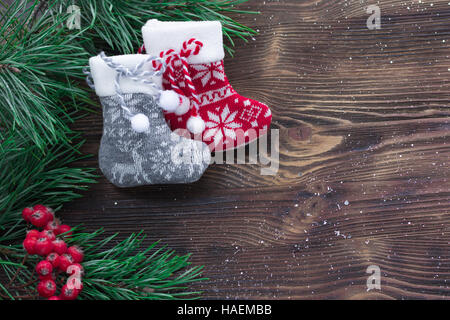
(157, 156)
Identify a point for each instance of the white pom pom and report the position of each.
(196, 125)
(140, 123)
(169, 100)
(184, 106)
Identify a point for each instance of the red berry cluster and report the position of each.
(49, 243)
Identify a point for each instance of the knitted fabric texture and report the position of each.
(231, 119)
(158, 156)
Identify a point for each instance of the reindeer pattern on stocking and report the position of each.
(131, 171)
(157, 156)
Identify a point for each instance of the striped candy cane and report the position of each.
(191, 47)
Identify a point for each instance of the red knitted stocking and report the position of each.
(194, 55)
(231, 119)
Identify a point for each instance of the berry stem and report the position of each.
(18, 270)
(29, 283)
(5, 251)
(31, 296)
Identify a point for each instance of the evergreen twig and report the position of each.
(36, 61)
(117, 24)
(41, 64)
(40, 98)
(115, 270)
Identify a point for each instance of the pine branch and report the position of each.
(117, 23)
(7, 67)
(113, 270)
(36, 61)
(121, 273)
(41, 65)
(27, 176)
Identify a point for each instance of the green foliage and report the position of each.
(42, 93)
(114, 270)
(27, 175)
(39, 60)
(118, 23)
(127, 271)
(39, 64)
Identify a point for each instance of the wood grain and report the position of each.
(364, 162)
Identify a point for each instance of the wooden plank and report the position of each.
(364, 162)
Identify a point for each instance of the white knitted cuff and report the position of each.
(162, 36)
(104, 77)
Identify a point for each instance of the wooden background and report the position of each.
(364, 162)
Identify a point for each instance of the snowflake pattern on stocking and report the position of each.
(227, 114)
(207, 73)
(221, 127)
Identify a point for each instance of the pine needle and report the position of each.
(41, 78)
(37, 59)
(116, 24)
(114, 270)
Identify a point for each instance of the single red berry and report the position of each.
(33, 234)
(49, 234)
(39, 218)
(43, 246)
(50, 215)
(29, 244)
(52, 258)
(68, 293)
(48, 211)
(76, 253)
(59, 246)
(40, 207)
(63, 229)
(54, 298)
(46, 288)
(26, 214)
(53, 225)
(44, 268)
(64, 261)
